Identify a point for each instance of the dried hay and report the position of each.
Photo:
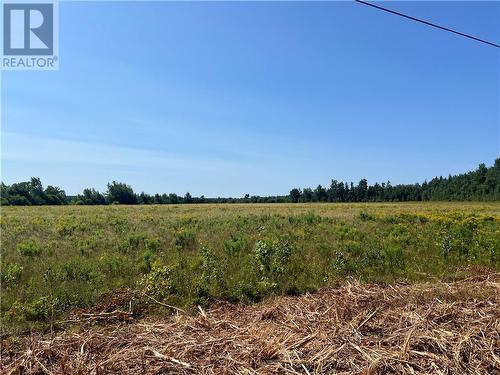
(439, 328)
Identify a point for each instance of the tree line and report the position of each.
(482, 184)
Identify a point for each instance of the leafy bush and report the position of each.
(344, 265)
(159, 283)
(79, 270)
(145, 263)
(117, 266)
(11, 273)
(132, 243)
(72, 225)
(40, 309)
(458, 238)
(29, 248)
(365, 216)
(395, 258)
(212, 270)
(87, 246)
(272, 258)
(308, 218)
(235, 245)
(152, 244)
(185, 239)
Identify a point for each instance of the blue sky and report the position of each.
(229, 98)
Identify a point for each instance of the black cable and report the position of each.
(428, 23)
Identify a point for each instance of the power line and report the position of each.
(428, 23)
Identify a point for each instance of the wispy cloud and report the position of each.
(35, 149)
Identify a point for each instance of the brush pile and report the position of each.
(438, 328)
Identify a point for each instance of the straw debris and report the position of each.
(438, 328)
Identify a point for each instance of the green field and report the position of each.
(58, 259)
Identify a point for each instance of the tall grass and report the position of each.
(56, 259)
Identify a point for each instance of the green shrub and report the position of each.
(40, 309)
(185, 239)
(309, 218)
(29, 248)
(11, 273)
(457, 240)
(69, 226)
(272, 258)
(159, 283)
(212, 271)
(344, 266)
(395, 258)
(365, 216)
(132, 243)
(134, 240)
(86, 246)
(117, 265)
(152, 244)
(145, 262)
(374, 258)
(235, 245)
(79, 270)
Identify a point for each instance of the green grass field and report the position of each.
(58, 259)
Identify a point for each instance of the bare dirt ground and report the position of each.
(431, 328)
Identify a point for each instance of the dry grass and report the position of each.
(439, 328)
